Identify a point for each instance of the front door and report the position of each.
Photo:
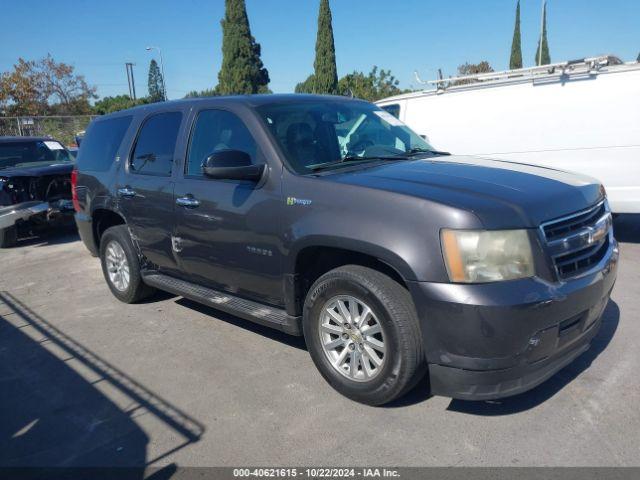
(227, 232)
(145, 188)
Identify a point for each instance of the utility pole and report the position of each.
(130, 80)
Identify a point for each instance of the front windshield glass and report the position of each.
(32, 154)
(318, 135)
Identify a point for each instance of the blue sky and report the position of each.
(98, 37)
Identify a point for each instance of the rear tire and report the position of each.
(121, 266)
(387, 363)
(8, 237)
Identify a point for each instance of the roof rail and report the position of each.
(591, 65)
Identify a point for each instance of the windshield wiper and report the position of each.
(418, 151)
(352, 158)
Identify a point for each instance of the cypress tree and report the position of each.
(242, 69)
(545, 58)
(516, 49)
(155, 83)
(326, 73)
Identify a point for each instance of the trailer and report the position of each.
(581, 115)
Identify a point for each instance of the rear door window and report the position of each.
(101, 143)
(156, 144)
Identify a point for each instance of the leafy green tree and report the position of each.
(212, 92)
(516, 48)
(325, 70)
(155, 83)
(471, 69)
(544, 58)
(44, 87)
(117, 103)
(638, 59)
(308, 86)
(242, 69)
(375, 85)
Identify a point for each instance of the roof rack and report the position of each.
(584, 65)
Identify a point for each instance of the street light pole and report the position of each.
(164, 80)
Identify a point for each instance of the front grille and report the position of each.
(578, 242)
(581, 261)
(565, 227)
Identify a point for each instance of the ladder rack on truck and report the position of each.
(583, 66)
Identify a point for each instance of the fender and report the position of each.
(390, 258)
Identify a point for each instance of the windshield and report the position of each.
(32, 154)
(330, 134)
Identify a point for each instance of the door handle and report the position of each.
(188, 201)
(126, 192)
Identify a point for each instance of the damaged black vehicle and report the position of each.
(35, 187)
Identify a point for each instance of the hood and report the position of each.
(501, 194)
(38, 171)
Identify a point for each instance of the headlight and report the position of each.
(479, 256)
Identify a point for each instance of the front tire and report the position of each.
(363, 334)
(121, 266)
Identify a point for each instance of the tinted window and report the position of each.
(392, 109)
(153, 154)
(217, 130)
(100, 144)
(31, 154)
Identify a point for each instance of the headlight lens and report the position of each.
(480, 256)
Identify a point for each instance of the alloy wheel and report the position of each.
(352, 338)
(117, 266)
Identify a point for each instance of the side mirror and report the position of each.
(232, 165)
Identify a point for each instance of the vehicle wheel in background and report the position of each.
(363, 334)
(8, 236)
(121, 267)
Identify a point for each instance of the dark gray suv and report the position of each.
(329, 218)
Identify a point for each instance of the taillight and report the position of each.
(74, 190)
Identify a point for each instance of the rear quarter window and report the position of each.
(101, 143)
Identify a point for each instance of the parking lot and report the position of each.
(86, 380)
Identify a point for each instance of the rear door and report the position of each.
(145, 187)
(228, 231)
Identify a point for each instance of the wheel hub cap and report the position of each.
(352, 338)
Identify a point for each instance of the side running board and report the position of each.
(256, 312)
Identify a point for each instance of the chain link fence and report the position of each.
(62, 128)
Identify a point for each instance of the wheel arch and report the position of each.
(314, 257)
(101, 219)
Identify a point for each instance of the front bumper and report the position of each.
(47, 211)
(493, 340)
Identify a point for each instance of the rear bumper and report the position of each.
(495, 340)
(85, 230)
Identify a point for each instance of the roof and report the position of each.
(24, 139)
(247, 100)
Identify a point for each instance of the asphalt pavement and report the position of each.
(87, 380)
